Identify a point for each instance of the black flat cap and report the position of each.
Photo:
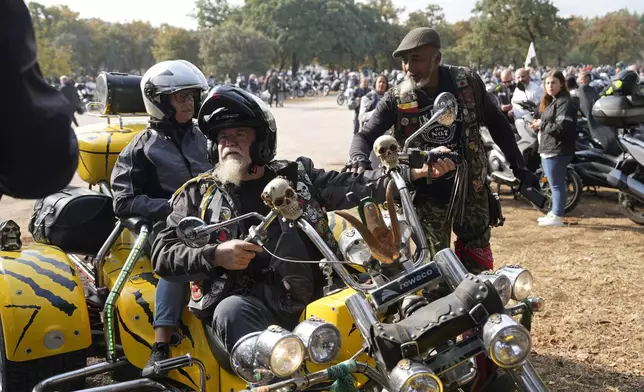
(418, 37)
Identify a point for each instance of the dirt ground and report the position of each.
(591, 335)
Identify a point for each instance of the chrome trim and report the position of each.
(91, 370)
(410, 214)
(527, 378)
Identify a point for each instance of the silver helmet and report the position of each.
(168, 77)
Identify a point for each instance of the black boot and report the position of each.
(160, 351)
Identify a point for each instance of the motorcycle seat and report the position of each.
(637, 100)
(218, 348)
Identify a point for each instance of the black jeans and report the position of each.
(237, 316)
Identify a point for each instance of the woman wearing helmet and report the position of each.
(236, 288)
(157, 162)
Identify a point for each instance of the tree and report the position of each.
(229, 49)
(616, 37)
(386, 9)
(211, 13)
(517, 23)
(173, 43)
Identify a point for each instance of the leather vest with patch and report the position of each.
(219, 205)
(410, 118)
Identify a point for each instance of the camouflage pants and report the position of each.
(473, 231)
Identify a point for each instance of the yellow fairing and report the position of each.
(332, 309)
(42, 304)
(135, 315)
(99, 145)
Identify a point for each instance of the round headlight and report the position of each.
(279, 350)
(508, 343)
(353, 247)
(242, 360)
(502, 285)
(410, 376)
(521, 280)
(321, 339)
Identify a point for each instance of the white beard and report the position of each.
(230, 171)
(408, 84)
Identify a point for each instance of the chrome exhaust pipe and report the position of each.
(527, 378)
(626, 183)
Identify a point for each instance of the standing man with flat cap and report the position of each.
(463, 201)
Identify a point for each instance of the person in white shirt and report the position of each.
(532, 92)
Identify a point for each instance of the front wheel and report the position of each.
(632, 208)
(574, 189)
(23, 376)
(310, 92)
(341, 99)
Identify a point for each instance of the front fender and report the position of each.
(42, 304)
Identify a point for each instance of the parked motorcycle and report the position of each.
(626, 112)
(345, 96)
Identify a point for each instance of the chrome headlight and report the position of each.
(279, 350)
(502, 285)
(521, 280)
(321, 339)
(507, 342)
(410, 376)
(353, 247)
(242, 360)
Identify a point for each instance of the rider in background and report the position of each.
(526, 90)
(157, 161)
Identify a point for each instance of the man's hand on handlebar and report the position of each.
(357, 165)
(235, 254)
(441, 162)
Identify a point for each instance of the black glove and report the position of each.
(356, 163)
(530, 186)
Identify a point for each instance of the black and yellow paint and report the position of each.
(39, 293)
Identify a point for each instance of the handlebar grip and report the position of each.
(432, 157)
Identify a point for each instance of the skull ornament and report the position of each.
(10, 235)
(281, 198)
(303, 191)
(386, 148)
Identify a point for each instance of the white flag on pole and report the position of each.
(531, 54)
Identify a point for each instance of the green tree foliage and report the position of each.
(229, 49)
(176, 43)
(283, 34)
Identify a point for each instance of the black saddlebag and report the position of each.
(77, 220)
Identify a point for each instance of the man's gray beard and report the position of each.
(408, 84)
(229, 171)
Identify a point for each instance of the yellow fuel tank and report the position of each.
(100, 144)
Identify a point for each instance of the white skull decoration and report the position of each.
(281, 198)
(303, 191)
(386, 148)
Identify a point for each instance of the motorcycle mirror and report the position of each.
(521, 86)
(446, 108)
(188, 235)
(444, 112)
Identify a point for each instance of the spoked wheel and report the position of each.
(574, 189)
(632, 208)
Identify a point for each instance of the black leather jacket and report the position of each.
(153, 166)
(558, 127)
